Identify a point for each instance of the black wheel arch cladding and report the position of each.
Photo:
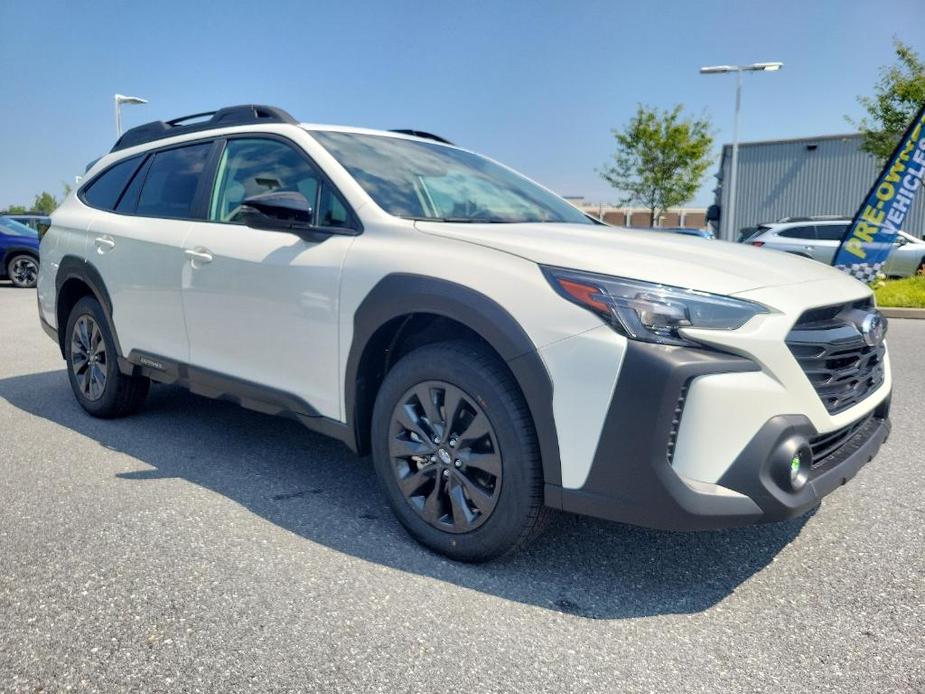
(399, 295)
(72, 268)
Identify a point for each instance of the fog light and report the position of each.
(799, 469)
(794, 467)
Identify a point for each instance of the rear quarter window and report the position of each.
(103, 191)
(831, 232)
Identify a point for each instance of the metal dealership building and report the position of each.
(828, 175)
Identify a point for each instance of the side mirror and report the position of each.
(280, 211)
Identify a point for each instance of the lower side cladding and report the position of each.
(253, 396)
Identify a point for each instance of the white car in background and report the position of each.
(819, 240)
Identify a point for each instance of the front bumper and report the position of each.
(633, 478)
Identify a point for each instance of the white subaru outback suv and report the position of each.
(498, 353)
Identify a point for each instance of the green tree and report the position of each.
(660, 160)
(45, 203)
(898, 95)
(16, 209)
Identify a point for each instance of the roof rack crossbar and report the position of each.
(423, 135)
(248, 114)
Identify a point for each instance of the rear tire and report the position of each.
(23, 270)
(93, 367)
(462, 472)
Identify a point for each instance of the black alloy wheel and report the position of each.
(455, 450)
(445, 456)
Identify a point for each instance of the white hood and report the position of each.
(693, 263)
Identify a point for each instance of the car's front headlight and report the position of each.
(647, 311)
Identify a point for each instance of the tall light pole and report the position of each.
(728, 215)
(120, 99)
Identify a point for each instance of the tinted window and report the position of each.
(105, 189)
(170, 186)
(251, 167)
(831, 232)
(129, 200)
(798, 233)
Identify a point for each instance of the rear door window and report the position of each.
(831, 232)
(171, 182)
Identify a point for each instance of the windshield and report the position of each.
(13, 228)
(423, 180)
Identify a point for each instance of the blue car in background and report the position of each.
(19, 253)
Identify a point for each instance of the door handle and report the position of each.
(104, 244)
(198, 255)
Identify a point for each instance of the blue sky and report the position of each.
(537, 84)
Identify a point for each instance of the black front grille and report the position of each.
(842, 367)
(829, 447)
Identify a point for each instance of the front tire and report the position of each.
(93, 368)
(455, 452)
(23, 270)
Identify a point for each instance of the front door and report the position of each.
(261, 306)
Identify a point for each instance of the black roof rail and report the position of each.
(814, 218)
(249, 114)
(422, 134)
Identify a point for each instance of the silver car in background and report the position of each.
(819, 240)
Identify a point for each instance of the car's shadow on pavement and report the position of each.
(313, 486)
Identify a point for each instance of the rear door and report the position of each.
(262, 306)
(828, 239)
(138, 248)
(798, 239)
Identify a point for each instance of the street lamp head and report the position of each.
(717, 69)
(754, 67)
(728, 216)
(766, 67)
(122, 99)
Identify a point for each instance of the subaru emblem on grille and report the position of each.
(872, 328)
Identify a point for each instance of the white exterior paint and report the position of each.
(584, 369)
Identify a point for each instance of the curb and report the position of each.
(891, 312)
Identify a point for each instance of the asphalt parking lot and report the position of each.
(201, 547)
